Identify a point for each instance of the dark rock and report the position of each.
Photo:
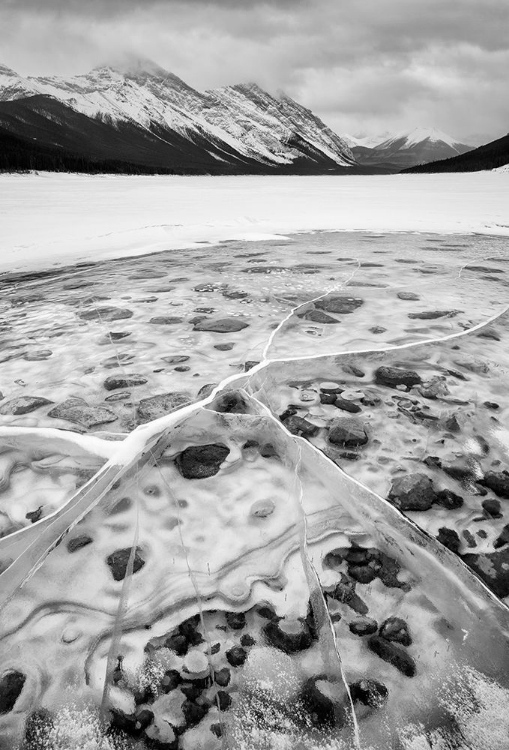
(78, 542)
(165, 320)
(497, 482)
(503, 537)
(79, 412)
(318, 316)
(188, 628)
(395, 629)
(492, 569)
(236, 620)
(469, 538)
(176, 359)
(340, 305)
(348, 432)
(236, 656)
(393, 654)
(123, 381)
(223, 325)
(224, 347)
(157, 406)
(369, 692)
(491, 405)
(300, 426)
(230, 294)
(492, 508)
(247, 641)
(34, 515)
(412, 492)
(178, 643)
(345, 405)
(318, 697)
(290, 637)
(193, 713)
(250, 364)
(224, 700)
(206, 288)
(363, 626)
(119, 396)
(182, 368)
(23, 405)
(410, 296)
(118, 562)
(222, 677)
(118, 335)
(11, 685)
(378, 329)
(353, 370)
(362, 573)
(448, 499)
(452, 424)
(483, 269)
(103, 314)
(433, 314)
(392, 376)
(345, 593)
(201, 461)
(327, 398)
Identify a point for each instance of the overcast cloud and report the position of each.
(364, 66)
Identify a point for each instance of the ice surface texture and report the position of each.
(271, 562)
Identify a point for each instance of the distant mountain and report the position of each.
(494, 155)
(404, 150)
(148, 118)
(366, 141)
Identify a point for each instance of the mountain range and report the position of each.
(141, 118)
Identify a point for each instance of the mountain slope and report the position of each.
(418, 146)
(490, 156)
(239, 127)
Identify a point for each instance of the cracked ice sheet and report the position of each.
(85, 347)
(259, 486)
(446, 428)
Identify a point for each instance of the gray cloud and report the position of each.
(362, 65)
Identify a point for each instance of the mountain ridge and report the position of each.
(245, 126)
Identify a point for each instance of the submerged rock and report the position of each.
(393, 654)
(492, 568)
(223, 325)
(395, 629)
(497, 481)
(23, 405)
(79, 412)
(392, 376)
(300, 426)
(118, 562)
(164, 403)
(102, 314)
(201, 461)
(369, 692)
(11, 685)
(123, 381)
(347, 431)
(433, 314)
(339, 304)
(412, 492)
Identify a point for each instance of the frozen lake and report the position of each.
(253, 463)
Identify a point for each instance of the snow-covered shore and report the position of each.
(48, 218)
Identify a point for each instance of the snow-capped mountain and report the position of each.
(242, 125)
(407, 149)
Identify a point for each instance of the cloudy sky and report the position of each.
(365, 66)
